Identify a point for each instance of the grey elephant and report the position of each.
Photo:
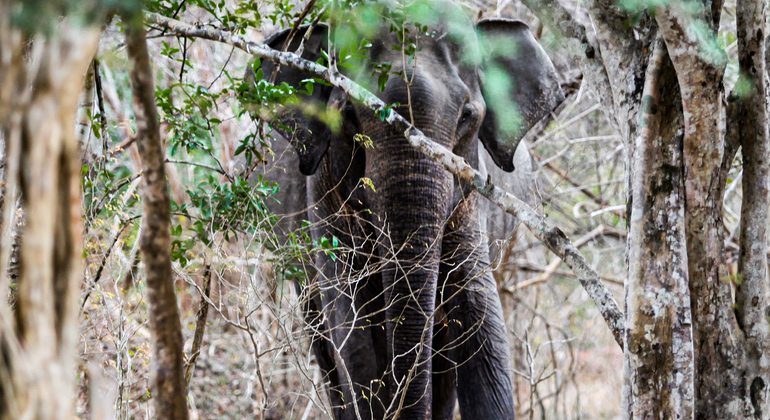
(406, 314)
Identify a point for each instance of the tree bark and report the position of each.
(39, 337)
(717, 351)
(751, 293)
(168, 382)
(658, 354)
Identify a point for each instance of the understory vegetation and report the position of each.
(254, 358)
(241, 268)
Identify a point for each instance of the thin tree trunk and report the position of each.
(85, 110)
(751, 293)
(658, 354)
(14, 92)
(167, 384)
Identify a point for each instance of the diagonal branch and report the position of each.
(552, 237)
(200, 324)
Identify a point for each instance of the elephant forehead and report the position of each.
(426, 88)
(440, 50)
(444, 22)
(429, 85)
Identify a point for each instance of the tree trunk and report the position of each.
(751, 293)
(677, 284)
(40, 335)
(167, 384)
(658, 352)
(678, 297)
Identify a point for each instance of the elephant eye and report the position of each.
(465, 122)
(466, 116)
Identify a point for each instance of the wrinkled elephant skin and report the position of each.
(412, 321)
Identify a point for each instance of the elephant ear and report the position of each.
(309, 135)
(519, 84)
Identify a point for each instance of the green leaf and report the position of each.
(382, 80)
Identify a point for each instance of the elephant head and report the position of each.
(490, 82)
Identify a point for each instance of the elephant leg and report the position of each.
(444, 371)
(318, 331)
(478, 339)
(348, 306)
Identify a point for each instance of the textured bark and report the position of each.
(730, 363)
(553, 238)
(167, 383)
(751, 293)
(625, 53)
(39, 338)
(200, 324)
(14, 94)
(717, 353)
(85, 105)
(658, 354)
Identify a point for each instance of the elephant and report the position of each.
(406, 314)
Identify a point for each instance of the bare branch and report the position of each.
(200, 165)
(122, 146)
(527, 266)
(584, 189)
(200, 324)
(123, 225)
(552, 268)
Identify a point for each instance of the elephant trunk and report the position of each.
(412, 200)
